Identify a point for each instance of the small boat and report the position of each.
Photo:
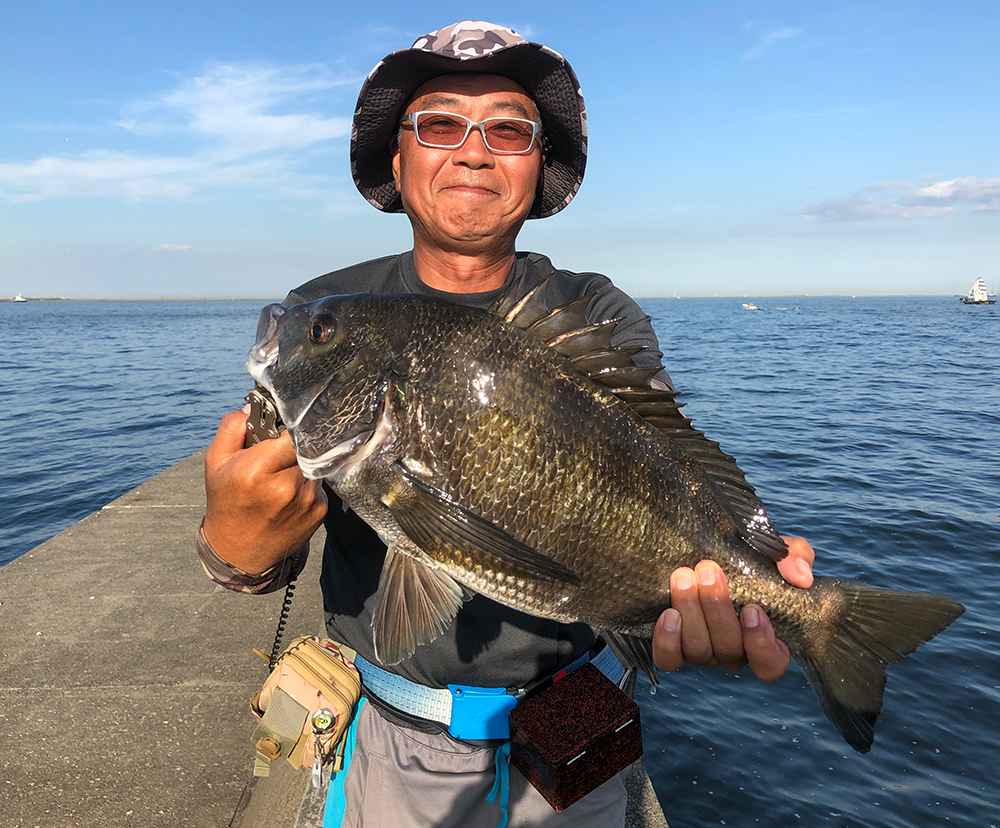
(977, 294)
(20, 298)
(749, 306)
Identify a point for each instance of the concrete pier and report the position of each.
(125, 676)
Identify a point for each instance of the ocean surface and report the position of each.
(871, 426)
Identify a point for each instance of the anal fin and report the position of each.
(635, 652)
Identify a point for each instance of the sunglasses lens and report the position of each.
(508, 134)
(440, 129)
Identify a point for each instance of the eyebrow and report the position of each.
(434, 101)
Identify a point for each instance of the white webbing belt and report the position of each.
(435, 704)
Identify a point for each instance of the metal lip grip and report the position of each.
(263, 422)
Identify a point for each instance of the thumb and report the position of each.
(796, 566)
(229, 438)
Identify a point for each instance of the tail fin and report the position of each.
(877, 627)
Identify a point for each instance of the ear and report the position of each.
(538, 184)
(394, 152)
(395, 171)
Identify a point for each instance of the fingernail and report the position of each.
(671, 620)
(683, 579)
(750, 617)
(803, 567)
(706, 575)
(246, 408)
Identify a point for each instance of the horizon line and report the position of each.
(637, 296)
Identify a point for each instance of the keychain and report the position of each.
(322, 721)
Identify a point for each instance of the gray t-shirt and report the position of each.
(488, 645)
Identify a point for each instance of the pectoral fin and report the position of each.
(414, 604)
(447, 531)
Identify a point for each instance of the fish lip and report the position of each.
(261, 359)
(330, 463)
(264, 352)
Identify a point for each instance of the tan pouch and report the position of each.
(305, 707)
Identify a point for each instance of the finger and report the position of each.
(229, 438)
(768, 656)
(796, 566)
(309, 495)
(667, 652)
(721, 619)
(320, 500)
(696, 644)
(275, 455)
(800, 548)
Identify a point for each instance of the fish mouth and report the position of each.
(264, 352)
(262, 358)
(360, 441)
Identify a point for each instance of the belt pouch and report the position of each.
(312, 678)
(574, 736)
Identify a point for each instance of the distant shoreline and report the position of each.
(756, 296)
(37, 299)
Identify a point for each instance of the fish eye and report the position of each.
(321, 330)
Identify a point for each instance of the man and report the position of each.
(470, 132)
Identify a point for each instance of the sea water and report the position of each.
(871, 426)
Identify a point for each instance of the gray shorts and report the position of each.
(400, 778)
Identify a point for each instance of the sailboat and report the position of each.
(977, 294)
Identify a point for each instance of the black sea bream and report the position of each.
(519, 455)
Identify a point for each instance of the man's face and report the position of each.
(467, 198)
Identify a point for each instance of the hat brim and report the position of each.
(544, 74)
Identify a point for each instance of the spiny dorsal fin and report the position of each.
(522, 312)
(588, 345)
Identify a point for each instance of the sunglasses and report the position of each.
(446, 130)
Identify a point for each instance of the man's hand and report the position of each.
(702, 627)
(260, 507)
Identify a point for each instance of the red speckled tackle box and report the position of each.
(574, 736)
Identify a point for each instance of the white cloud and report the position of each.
(900, 200)
(237, 106)
(984, 193)
(769, 39)
(100, 173)
(40, 126)
(863, 208)
(172, 248)
(244, 125)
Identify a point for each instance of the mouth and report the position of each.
(472, 189)
(262, 363)
(264, 352)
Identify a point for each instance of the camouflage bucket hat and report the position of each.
(472, 46)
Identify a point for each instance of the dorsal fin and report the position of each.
(588, 345)
(522, 312)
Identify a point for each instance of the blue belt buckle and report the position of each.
(480, 712)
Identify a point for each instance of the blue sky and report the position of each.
(769, 148)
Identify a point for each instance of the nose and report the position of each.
(473, 152)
